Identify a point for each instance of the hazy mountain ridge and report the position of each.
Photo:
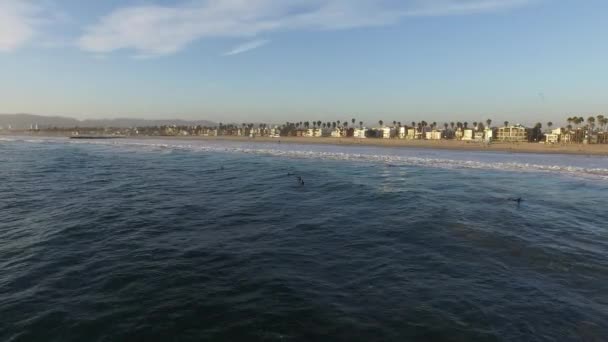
(25, 121)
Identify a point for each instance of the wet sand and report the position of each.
(583, 149)
(596, 149)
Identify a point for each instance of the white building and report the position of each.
(467, 134)
(554, 136)
(488, 135)
(402, 133)
(360, 133)
(413, 133)
(515, 133)
(336, 133)
(386, 132)
(434, 135)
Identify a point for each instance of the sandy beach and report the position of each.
(582, 149)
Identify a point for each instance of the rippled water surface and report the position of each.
(175, 240)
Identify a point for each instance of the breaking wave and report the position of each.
(309, 152)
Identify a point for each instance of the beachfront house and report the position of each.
(467, 134)
(554, 137)
(517, 133)
(488, 135)
(478, 136)
(401, 133)
(275, 132)
(336, 133)
(360, 133)
(434, 135)
(387, 132)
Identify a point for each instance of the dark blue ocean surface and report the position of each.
(143, 240)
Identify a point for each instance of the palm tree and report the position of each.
(591, 121)
(475, 125)
(489, 122)
(361, 124)
(452, 124)
(506, 123)
(445, 125)
(394, 123)
(353, 121)
(600, 121)
(381, 123)
(466, 124)
(549, 124)
(319, 123)
(414, 124)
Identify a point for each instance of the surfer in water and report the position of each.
(518, 200)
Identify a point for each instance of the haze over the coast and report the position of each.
(276, 61)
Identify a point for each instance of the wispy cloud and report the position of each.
(247, 47)
(22, 21)
(155, 30)
(17, 23)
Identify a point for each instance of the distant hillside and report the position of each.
(24, 121)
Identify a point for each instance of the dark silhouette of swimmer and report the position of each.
(518, 200)
(300, 180)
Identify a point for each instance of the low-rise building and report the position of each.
(386, 132)
(434, 135)
(515, 133)
(467, 134)
(402, 133)
(360, 133)
(554, 137)
(488, 135)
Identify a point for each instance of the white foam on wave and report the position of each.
(443, 163)
(294, 152)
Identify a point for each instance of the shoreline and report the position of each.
(536, 148)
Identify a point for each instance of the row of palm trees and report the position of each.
(599, 120)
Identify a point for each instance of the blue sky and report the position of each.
(278, 60)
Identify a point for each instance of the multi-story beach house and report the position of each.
(554, 137)
(434, 135)
(360, 133)
(467, 134)
(517, 133)
(488, 135)
(401, 133)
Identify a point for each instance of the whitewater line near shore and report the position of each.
(581, 149)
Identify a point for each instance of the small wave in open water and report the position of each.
(173, 240)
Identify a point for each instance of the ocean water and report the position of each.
(175, 240)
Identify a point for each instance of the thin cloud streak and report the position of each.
(17, 23)
(154, 30)
(246, 47)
